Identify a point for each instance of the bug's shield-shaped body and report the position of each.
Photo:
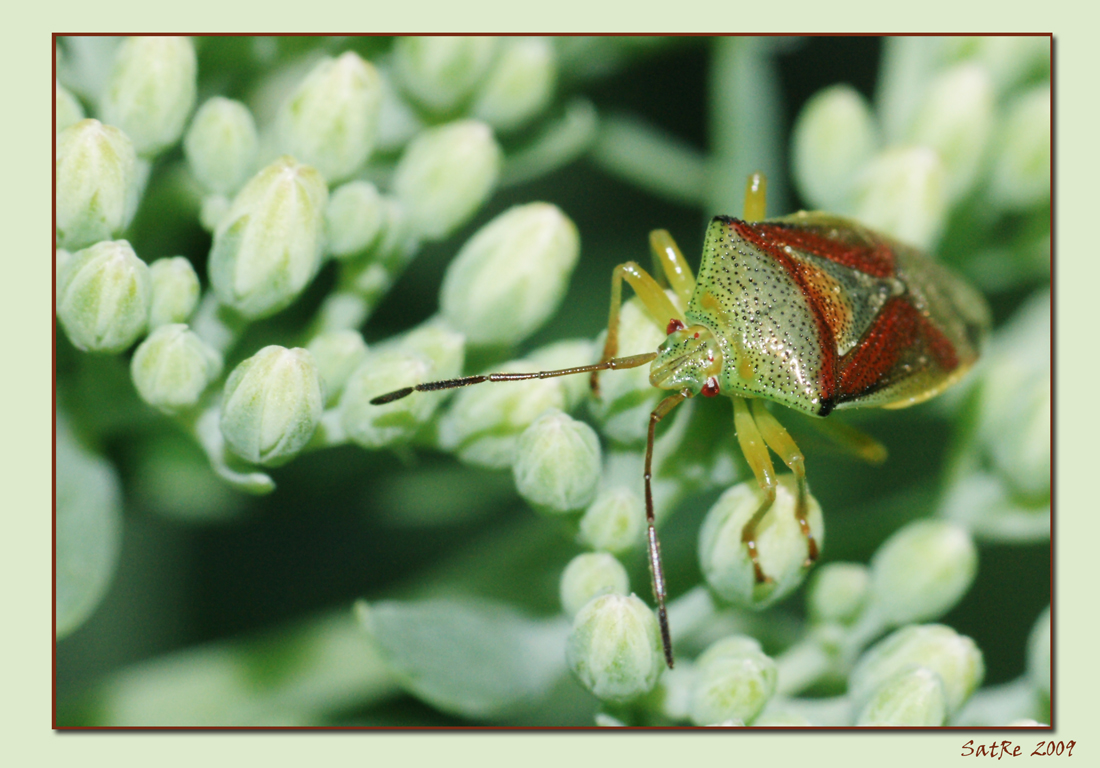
(817, 312)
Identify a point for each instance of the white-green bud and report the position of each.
(354, 218)
(912, 697)
(96, 183)
(427, 354)
(614, 522)
(734, 680)
(175, 291)
(626, 397)
(213, 209)
(1007, 58)
(955, 119)
(557, 465)
(922, 571)
(953, 657)
(588, 576)
(151, 90)
(1021, 164)
(68, 109)
(221, 145)
(439, 73)
(267, 247)
(331, 120)
(1038, 653)
(337, 354)
(903, 192)
(444, 176)
(398, 122)
(838, 592)
(780, 544)
(615, 648)
(172, 368)
(834, 137)
(520, 84)
(272, 405)
(511, 276)
(484, 423)
(103, 297)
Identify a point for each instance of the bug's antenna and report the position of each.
(633, 361)
(656, 570)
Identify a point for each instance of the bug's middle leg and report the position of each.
(653, 298)
(755, 450)
(777, 438)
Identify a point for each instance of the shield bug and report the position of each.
(811, 311)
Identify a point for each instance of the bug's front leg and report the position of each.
(784, 446)
(755, 450)
(653, 298)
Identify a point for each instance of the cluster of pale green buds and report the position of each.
(931, 139)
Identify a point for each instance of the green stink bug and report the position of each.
(812, 311)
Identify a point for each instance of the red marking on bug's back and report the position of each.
(899, 328)
(761, 235)
(876, 260)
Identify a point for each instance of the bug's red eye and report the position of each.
(710, 389)
(675, 325)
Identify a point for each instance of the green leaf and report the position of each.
(467, 657)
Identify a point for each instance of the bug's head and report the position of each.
(690, 358)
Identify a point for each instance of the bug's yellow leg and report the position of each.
(653, 297)
(780, 441)
(851, 439)
(756, 454)
(756, 190)
(673, 264)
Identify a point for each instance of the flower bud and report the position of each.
(953, 657)
(614, 522)
(922, 571)
(734, 680)
(444, 176)
(354, 218)
(838, 592)
(912, 697)
(96, 183)
(151, 91)
(834, 137)
(780, 544)
(172, 368)
(557, 465)
(626, 397)
(337, 354)
(267, 247)
(439, 73)
(213, 210)
(1007, 59)
(221, 145)
(428, 354)
(615, 648)
(484, 423)
(511, 276)
(520, 84)
(1021, 165)
(175, 291)
(68, 110)
(903, 193)
(331, 119)
(104, 293)
(1038, 653)
(272, 405)
(588, 576)
(955, 119)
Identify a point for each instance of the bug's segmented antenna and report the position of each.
(633, 361)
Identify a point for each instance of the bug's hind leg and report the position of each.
(784, 446)
(755, 450)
